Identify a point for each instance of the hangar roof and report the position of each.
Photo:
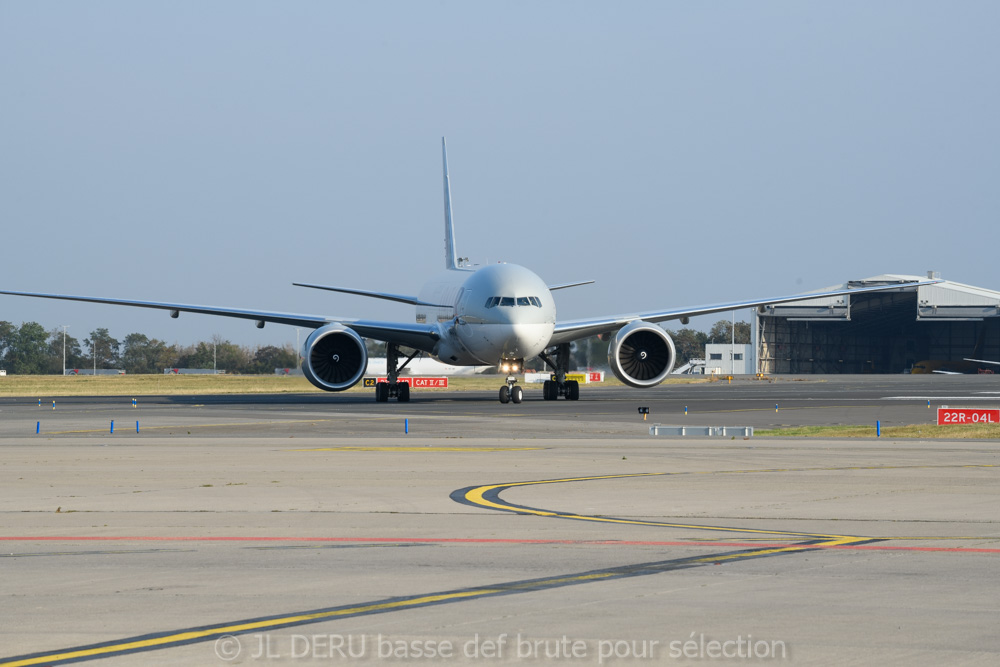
(944, 301)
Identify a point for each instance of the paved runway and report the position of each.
(311, 529)
(601, 412)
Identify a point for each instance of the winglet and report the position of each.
(450, 256)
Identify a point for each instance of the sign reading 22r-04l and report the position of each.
(968, 416)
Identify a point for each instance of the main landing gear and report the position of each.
(392, 387)
(560, 386)
(511, 392)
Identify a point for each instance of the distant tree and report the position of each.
(743, 333)
(722, 332)
(269, 357)
(690, 344)
(27, 349)
(7, 334)
(232, 357)
(219, 354)
(162, 355)
(143, 355)
(74, 353)
(104, 348)
(200, 355)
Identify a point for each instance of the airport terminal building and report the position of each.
(885, 332)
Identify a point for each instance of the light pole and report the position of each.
(732, 354)
(64, 327)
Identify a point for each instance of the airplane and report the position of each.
(984, 361)
(946, 367)
(967, 366)
(496, 315)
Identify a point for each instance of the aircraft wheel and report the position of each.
(403, 392)
(381, 392)
(549, 390)
(572, 390)
(504, 395)
(516, 394)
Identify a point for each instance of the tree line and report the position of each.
(29, 349)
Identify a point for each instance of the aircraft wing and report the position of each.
(553, 288)
(401, 298)
(571, 330)
(984, 361)
(418, 336)
(421, 337)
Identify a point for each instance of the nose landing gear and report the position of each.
(511, 392)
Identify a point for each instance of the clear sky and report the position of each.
(679, 153)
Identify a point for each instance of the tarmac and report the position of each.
(329, 529)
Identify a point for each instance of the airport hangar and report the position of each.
(883, 332)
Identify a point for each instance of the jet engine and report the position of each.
(334, 358)
(641, 354)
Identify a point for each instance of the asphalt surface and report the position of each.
(313, 529)
(786, 401)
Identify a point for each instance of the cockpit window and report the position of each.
(510, 301)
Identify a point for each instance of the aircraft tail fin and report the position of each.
(450, 256)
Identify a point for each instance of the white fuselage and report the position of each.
(496, 313)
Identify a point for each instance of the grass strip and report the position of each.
(924, 431)
(49, 386)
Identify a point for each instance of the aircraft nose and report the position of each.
(528, 340)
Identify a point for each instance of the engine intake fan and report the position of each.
(641, 354)
(335, 358)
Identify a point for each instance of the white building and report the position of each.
(729, 359)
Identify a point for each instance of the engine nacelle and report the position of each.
(641, 354)
(334, 358)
